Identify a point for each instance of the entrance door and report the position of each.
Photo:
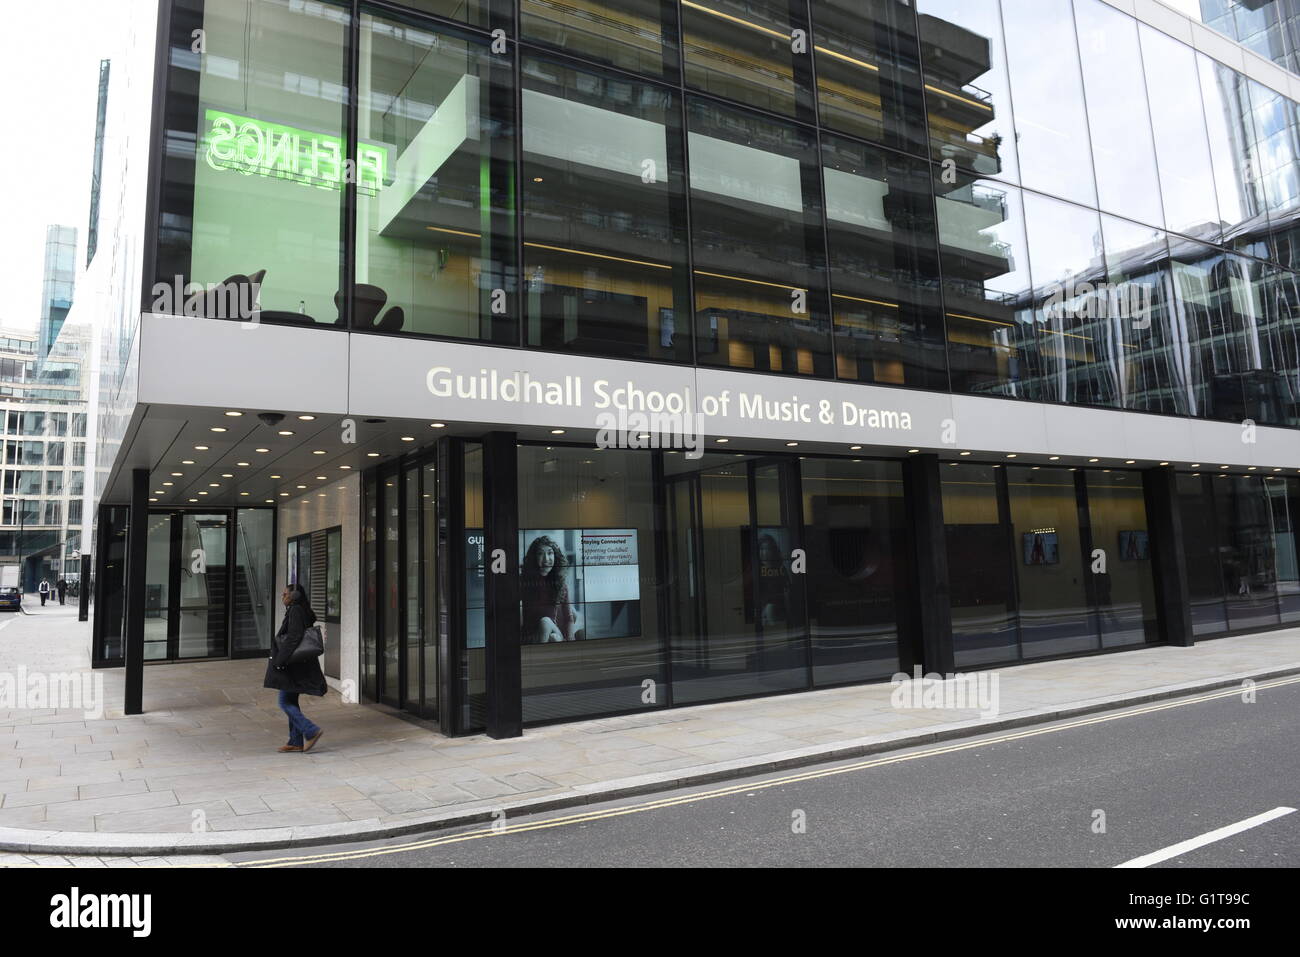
(187, 575)
(737, 611)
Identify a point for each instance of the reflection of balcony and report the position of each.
(953, 52)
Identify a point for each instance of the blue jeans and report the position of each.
(299, 724)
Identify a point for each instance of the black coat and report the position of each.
(304, 677)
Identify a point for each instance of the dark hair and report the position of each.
(532, 565)
(298, 596)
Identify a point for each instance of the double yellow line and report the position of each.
(654, 805)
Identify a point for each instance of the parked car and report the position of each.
(11, 596)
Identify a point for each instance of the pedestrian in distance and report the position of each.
(44, 589)
(296, 678)
(63, 589)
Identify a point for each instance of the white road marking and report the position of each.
(6, 624)
(1183, 847)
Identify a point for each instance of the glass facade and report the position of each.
(869, 192)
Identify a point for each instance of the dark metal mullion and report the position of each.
(232, 558)
(352, 78)
(792, 518)
(684, 114)
(823, 212)
(1002, 483)
(174, 538)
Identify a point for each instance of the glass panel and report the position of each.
(1051, 122)
(967, 95)
(1285, 496)
(254, 581)
(1277, 151)
(857, 575)
(201, 604)
(1073, 349)
(411, 545)
(588, 602)
(1122, 149)
(1272, 382)
(742, 50)
(1248, 551)
(1125, 591)
(868, 71)
(746, 645)
(473, 675)
(111, 604)
(253, 171)
(1139, 304)
(985, 265)
(1182, 152)
(433, 239)
(634, 35)
(884, 267)
(605, 215)
(1216, 303)
(1201, 553)
(157, 588)
(979, 548)
(1056, 615)
(760, 282)
(1231, 132)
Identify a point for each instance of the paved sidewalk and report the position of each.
(198, 773)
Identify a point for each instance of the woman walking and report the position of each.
(302, 677)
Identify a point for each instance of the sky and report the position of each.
(49, 74)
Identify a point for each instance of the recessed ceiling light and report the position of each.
(194, 500)
(1131, 462)
(1225, 466)
(722, 441)
(405, 438)
(912, 451)
(217, 428)
(214, 485)
(284, 495)
(372, 455)
(1053, 458)
(321, 494)
(261, 450)
(187, 461)
(302, 486)
(234, 415)
(286, 432)
(307, 418)
(317, 451)
(227, 475)
(1011, 455)
(437, 425)
(790, 445)
(345, 466)
(321, 478)
(165, 484)
(242, 464)
(1094, 460)
(153, 500)
(538, 179)
(1251, 469)
(965, 453)
(1196, 465)
(243, 493)
(270, 501)
(159, 491)
(177, 474)
(200, 448)
(557, 431)
(277, 476)
(855, 448)
(1164, 463)
(203, 493)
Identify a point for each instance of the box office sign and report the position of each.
(256, 147)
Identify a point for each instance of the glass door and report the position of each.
(187, 575)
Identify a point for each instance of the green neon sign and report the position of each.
(256, 147)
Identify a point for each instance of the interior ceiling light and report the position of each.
(234, 415)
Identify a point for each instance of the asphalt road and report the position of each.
(1162, 774)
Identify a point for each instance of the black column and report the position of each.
(83, 590)
(501, 585)
(137, 538)
(1168, 558)
(928, 612)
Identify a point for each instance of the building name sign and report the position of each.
(625, 397)
(251, 146)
